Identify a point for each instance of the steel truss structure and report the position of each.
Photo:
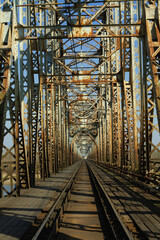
(78, 79)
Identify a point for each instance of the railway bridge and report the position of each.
(79, 119)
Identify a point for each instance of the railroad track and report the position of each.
(118, 229)
(116, 212)
(125, 220)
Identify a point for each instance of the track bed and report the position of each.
(81, 219)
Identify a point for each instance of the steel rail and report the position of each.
(125, 229)
(65, 190)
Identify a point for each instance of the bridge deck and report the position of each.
(18, 214)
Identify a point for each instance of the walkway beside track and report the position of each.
(81, 219)
(18, 214)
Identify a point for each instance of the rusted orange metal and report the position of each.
(5, 80)
(85, 79)
(82, 31)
